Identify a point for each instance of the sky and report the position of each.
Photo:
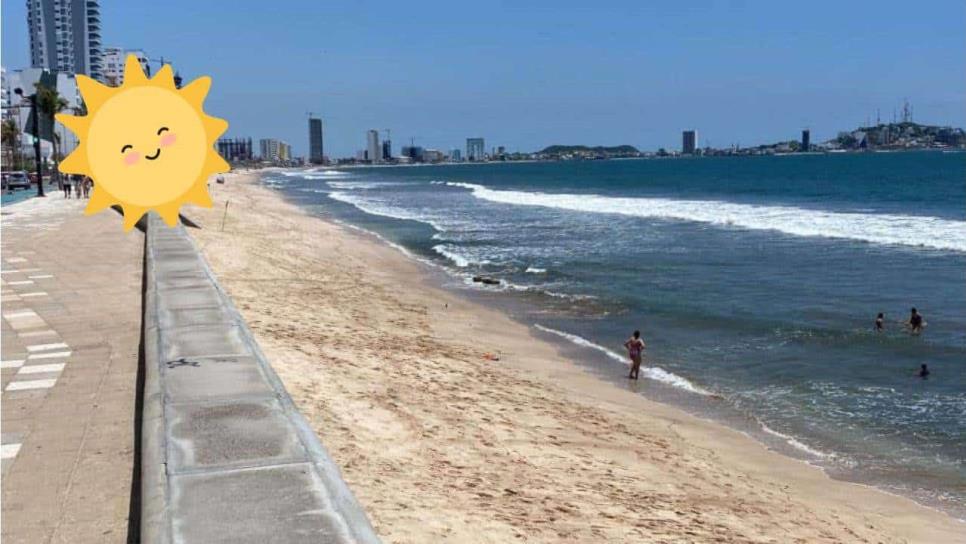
(527, 74)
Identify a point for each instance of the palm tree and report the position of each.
(8, 134)
(50, 103)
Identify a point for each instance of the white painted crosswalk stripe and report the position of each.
(30, 384)
(46, 347)
(12, 363)
(21, 314)
(9, 451)
(33, 294)
(33, 334)
(21, 282)
(39, 369)
(41, 276)
(34, 356)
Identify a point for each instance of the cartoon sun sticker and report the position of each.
(146, 144)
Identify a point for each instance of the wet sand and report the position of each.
(440, 444)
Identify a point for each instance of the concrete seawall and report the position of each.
(226, 456)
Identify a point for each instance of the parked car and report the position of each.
(18, 180)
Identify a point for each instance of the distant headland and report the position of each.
(884, 136)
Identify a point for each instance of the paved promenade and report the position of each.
(71, 305)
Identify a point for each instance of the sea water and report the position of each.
(754, 280)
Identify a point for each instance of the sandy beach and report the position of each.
(441, 444)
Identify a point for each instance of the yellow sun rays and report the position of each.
(96, 94)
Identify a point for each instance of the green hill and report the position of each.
(606, 150)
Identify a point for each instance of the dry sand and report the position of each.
(442, 445)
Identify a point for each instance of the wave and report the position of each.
(535, 270)
(457, 259)
(793, 442)
(889, 229)
(316, 174)
(375, 208)
(384, 240)
(349, 185)
(653, 372)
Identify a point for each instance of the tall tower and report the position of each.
(689, 142)
(316, 155)
(65, 35)
(806, 140)
(375, 151)
(475, 149)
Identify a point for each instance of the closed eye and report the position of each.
(162, 129)
(125, 148)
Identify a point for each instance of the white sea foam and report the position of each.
(316, 174)
(384, 240)
(535, 270)
(791, 441)
(457, 259)
(893, 229)
(652, 372)
(349, 185)
(375, 208)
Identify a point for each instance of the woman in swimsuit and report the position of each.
(635, 349)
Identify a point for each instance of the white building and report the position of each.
(19, 107)
(274, 150)
(4, 91)
(374, 152)
(65, 35)
(114, 60)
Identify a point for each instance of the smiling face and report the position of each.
(146, 145)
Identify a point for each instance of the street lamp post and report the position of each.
(36, 128)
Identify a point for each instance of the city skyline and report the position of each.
(576, 76)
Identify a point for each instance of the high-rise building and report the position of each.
(235, 149)
(475, 149)
(284, 152)
(4, 92)
(315, 141)
(268, 149)
(27, 79)
(373, 151)
(806, 140)
(113, 61)
(387, 150)
(433, 155)
(414, 152)
(455, 155)
(65, 36)
(689, 143)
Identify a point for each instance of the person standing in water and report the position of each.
(880, 322)
(915, 322)
(923, 371)
(635, 349)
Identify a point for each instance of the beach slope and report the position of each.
(440, 444)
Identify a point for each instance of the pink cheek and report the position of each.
(132, 158)
(168, 139)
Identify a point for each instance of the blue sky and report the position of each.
(534, 73)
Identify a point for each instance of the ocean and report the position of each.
(755, 282)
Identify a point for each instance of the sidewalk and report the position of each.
(71, 305)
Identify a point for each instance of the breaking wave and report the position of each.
(891, 229)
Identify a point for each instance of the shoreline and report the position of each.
(702, 401)
(691, 478)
